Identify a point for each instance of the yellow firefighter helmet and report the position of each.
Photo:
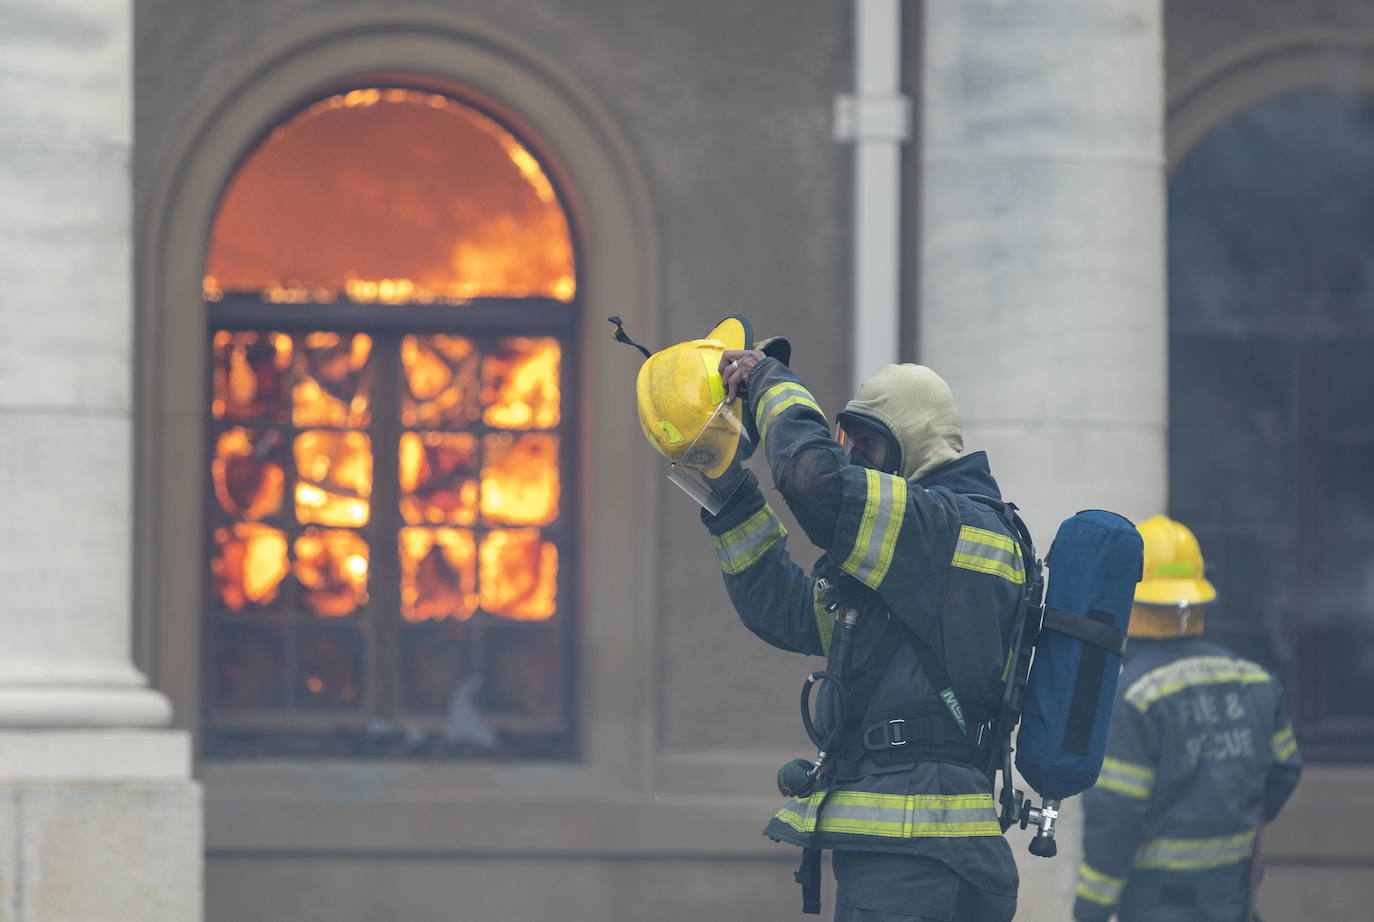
(1174, 570)
(681, 399)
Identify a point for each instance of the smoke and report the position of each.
(1271, 299)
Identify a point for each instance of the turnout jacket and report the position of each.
(921, 560)
(1200, 751)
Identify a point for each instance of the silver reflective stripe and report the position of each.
(988, 552)
(895, 815)
(852, 814)
(1188, 672)
(742, 546)
(879, 528)
(1127, 778)
(1195, 854)
(778, 398)
(1097, 887)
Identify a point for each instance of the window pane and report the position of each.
(390, 195)
(520, 386)
(519, 574)
(438, 573)
(331, 566)
(435, 657)
(330, 671)
(441, 381)
(249, 472)
(333, 477)
(520, 478)
(524, 674)
(248, 566)
(332, 381)
(438, 473)
(247, 666)
(250, 371)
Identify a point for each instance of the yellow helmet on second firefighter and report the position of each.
(1173, 585)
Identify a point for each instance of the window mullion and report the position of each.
(384, 613)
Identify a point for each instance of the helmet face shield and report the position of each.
(700, 470)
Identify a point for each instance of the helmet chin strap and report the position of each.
(620, 336)
(1184, 611)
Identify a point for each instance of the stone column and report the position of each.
(1042, 268)
(99, 819)
(1042, 244)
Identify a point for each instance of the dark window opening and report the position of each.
(1271, 286)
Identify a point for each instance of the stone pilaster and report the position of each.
(1042, 244)
(99, 819)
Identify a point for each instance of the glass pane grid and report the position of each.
(485, 474)
(480, 477)
(291, 479)
(479, 509)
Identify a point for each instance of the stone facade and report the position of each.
(696, 142)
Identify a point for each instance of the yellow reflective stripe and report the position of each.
(778, 398)
(988, 552)
(1186, 673)
(1284, 744)
(713, 377)
(893, 815)
(879, 527)
(825, 621)
(1097, 887)
(1195, 854)
(742, 546)
(1126, 778)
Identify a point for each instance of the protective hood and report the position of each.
(916, 406)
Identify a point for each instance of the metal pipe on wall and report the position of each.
(877, 119)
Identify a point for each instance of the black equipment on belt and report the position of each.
(798, 778)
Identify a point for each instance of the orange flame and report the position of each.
(331, 566)
(438, 574)
(247, 473)
(438, 477)
(250, 375)
(249, 565)
(334, 477)
(520, 384)
(441, 380)
(520, 478)
(390, 195)
(332, 381)
(519, 575)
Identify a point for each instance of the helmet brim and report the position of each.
(734, 332)
(1174, 591)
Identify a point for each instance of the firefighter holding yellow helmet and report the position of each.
(919, 585)
(1200, 754)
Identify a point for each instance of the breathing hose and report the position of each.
(823, 743)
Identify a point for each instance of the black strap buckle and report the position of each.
(890, 734)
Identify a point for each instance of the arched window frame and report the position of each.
(380, 726)
(608, 201)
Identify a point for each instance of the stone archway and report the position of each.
(608, 205)
(1238, 77)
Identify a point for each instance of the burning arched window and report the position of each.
(391, 291)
